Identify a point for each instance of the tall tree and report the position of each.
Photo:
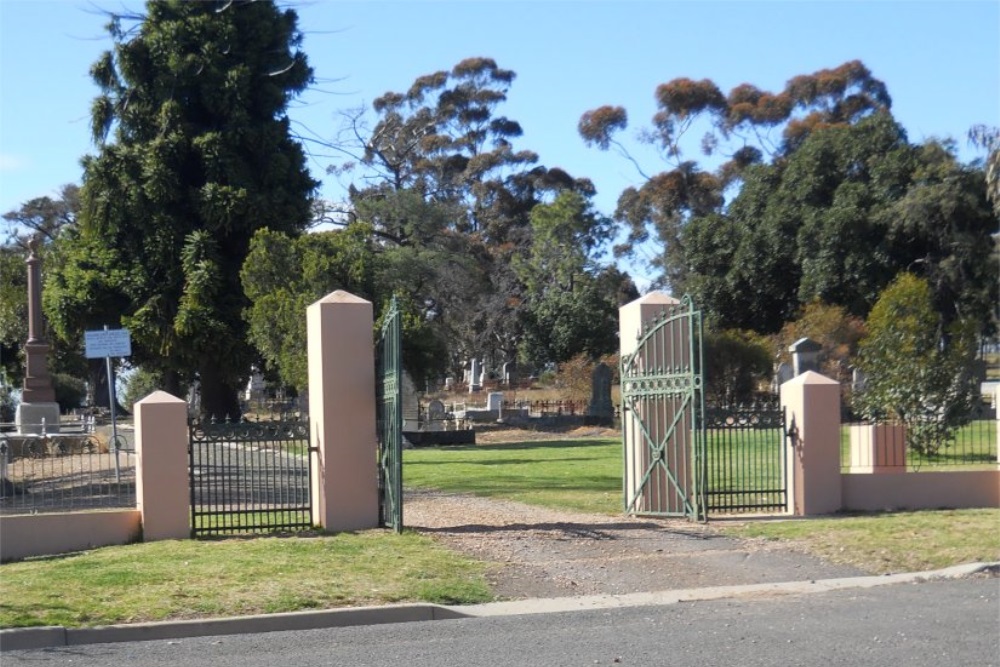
(836, 220)
(194, 155)
(741, 127)
(445, 141)
(569, 309)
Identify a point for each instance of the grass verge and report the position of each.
(190, 579)
(891, 541)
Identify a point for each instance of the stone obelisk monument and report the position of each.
(38, 406)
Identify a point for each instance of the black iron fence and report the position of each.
(745, 459)
(884, 446)
(250, 477)
(64, 472)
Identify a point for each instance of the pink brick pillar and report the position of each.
(812, 405)
(162, 485)
(342, 412)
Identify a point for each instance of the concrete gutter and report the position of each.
(15, 639)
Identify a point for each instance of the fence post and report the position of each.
(342, 403)
(996, 405)
(812, 411)
(162, 486)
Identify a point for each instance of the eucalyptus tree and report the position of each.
(194, 154)
(837, 220)
(445, 141)
(745, 127)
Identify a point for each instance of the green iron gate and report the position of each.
(662, 416)
(389, 404)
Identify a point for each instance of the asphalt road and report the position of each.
(954, 623)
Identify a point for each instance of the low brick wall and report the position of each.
(921, 490)
(27, 535)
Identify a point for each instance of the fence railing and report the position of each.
(63, 472)
(249, 477)
(882, 447)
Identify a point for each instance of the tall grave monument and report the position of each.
(38, 408)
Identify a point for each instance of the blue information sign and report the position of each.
(107, 343)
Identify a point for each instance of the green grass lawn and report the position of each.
(583, 475)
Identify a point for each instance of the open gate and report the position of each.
(249, 477)
(679, 458)
(389, 406)
(662, 416)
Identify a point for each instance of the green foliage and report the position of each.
(738, 364)
(659, 209)
(917, 369)
(70, 391)
(8, 403)
(283, 275)
(444, 188)
(140, 383)
(569, 309)
(836, 220)
(194, 156)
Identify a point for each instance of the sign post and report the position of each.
(109, 343)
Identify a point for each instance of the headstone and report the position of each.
(509, 372)
(805, 355)
(411, 404)
(38, 410)
(857, 380)
(255, 387)
(436, 411)
(494, 400)
(475, 373)
(782, 374)
(601, 406)
(449, 383)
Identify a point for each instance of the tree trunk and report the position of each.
(219, 398)
(97, 370)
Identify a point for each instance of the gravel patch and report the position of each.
(534, 552)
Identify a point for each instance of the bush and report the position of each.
(738, 364)
(139, 384)
(70, 391)
(916, 370)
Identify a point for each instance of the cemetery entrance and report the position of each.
(249, 477)
(683, 458)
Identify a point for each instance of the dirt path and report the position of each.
(537, 552)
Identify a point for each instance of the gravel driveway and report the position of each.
(536, 552)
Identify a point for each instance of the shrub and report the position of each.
(916, 370)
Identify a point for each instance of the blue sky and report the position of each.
(940, 61)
